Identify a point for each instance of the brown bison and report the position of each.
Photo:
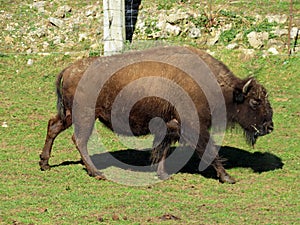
(190, 92)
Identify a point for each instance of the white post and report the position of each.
(114, 26)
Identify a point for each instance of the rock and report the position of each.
(264, 36)
(215, 38)
(172, 29)
(194, 32)
(256, 39)
(82, 37)
(62, 10)
(247, 54)
(90, 12)
(281, 19)
(294, 32)
(176, 17)
(161, 25)
(232, 46)
(162, 21)
(9, 28)
(45, 45)
(56, 22)
(280, 32)
(210, 52)
(226, 27)
(40, 32)
(259, 18)
(275, 43)
(57, 40)
(273, 51)
(40, 6)
(30, 62)
(4, 124)
(140, 25)
(239, 36)
(8, 40)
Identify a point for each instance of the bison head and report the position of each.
(253, 110)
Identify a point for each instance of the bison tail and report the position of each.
(60, 104)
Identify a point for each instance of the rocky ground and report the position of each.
(52, 26)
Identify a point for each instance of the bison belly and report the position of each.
(136, 120)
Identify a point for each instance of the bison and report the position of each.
(88, 89)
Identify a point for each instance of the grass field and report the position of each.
(267, 191)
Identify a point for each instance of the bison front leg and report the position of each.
(223, 176)
(55, 126)
(209, 155)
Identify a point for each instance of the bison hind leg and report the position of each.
(83, 128)
(55, 126)
(161, 149)
(159, 155)
(90, 167)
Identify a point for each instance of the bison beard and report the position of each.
(246, 104)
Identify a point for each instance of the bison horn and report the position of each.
(246, 86)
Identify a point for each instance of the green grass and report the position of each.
(67, 195)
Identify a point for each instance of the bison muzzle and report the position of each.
(162, 88)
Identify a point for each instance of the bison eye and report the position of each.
(254, 103)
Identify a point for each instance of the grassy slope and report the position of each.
(66, 195)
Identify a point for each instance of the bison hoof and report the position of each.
(227, 179)
(163, 176)
(44, 166)
(97, 174)
(100, 177)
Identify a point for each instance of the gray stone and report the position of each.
(161, 25)
(62, 10)
(40, 32)
(195, 32)
(30, 62)
(294, 32)
(256, 39)
(40, 6)
(57, 40)
(56, 22)
(172, 29)
(280, 32)
(275, 43)
(216, 35)
(82, 37)
(281, 19)
(45, 45)
(176, 17)
(273, 51)
(247, 54)
(226, 27)
(90, 12)
(232, 46)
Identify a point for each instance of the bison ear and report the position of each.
(238, 96)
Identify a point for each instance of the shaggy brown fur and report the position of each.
(246, 104)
